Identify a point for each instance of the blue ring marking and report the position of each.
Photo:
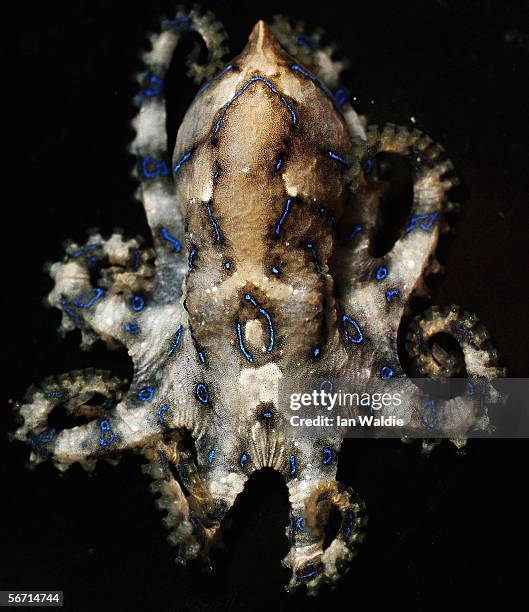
(288, 204)
(275, 270)
(327, 456)
(300, 524)
(154, 87)
(313, 78)
(71, 313)
(267, 414)
(381, 273)
(211, 455)
(217, 76)
(428, 220)
(390, 293)
(160, 414)
(356, 339)
(164, 463)
(202, 357)
(174, 24)
(153, 168)
(310, 574)
(107, 436)
(37, 446)
(182, 161)
(271, 331)
(349, 526)
(202, 393)
(214, 223)
(356, 230)
(386, 372)
(326, 382)
(429, 414)
(55, 393)
(243, 460)
(191, 256)
(176, 342)
(227, 265)
(339, 158)
(368, 168)
(132, 328)
(174, 241)
(85, 249)
(97, 294)
(244, 351)
(47, 435)
(136, 259)
(292, 460)
(279, 164)
(316, 351)
(340, 97)
(303, 42)
(137, 303)
(312, 249)
(461, 330)
(243, 89)
(145, 394)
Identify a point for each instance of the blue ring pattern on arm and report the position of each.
(270, 86)
(390, 293)
(386, 372)
(174, 241)
(160, 414)
(96, 293)
(86, 249)
(359, 338)
(211, 455)
(381, 273)
(327, 456)
(145, 394)
(132, 328)
(292, 460)
(107, 436)
(137, 303)
(152, 168)
(71, 313)
(243, 460)
(425, 222)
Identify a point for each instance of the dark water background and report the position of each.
(447, 527)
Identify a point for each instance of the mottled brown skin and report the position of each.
(249, 196)
(221, 199)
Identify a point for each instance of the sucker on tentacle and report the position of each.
(264, 220)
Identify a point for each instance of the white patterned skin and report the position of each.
(262, 270)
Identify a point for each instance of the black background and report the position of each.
(448, 527)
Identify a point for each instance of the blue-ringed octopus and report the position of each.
(261, 268)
